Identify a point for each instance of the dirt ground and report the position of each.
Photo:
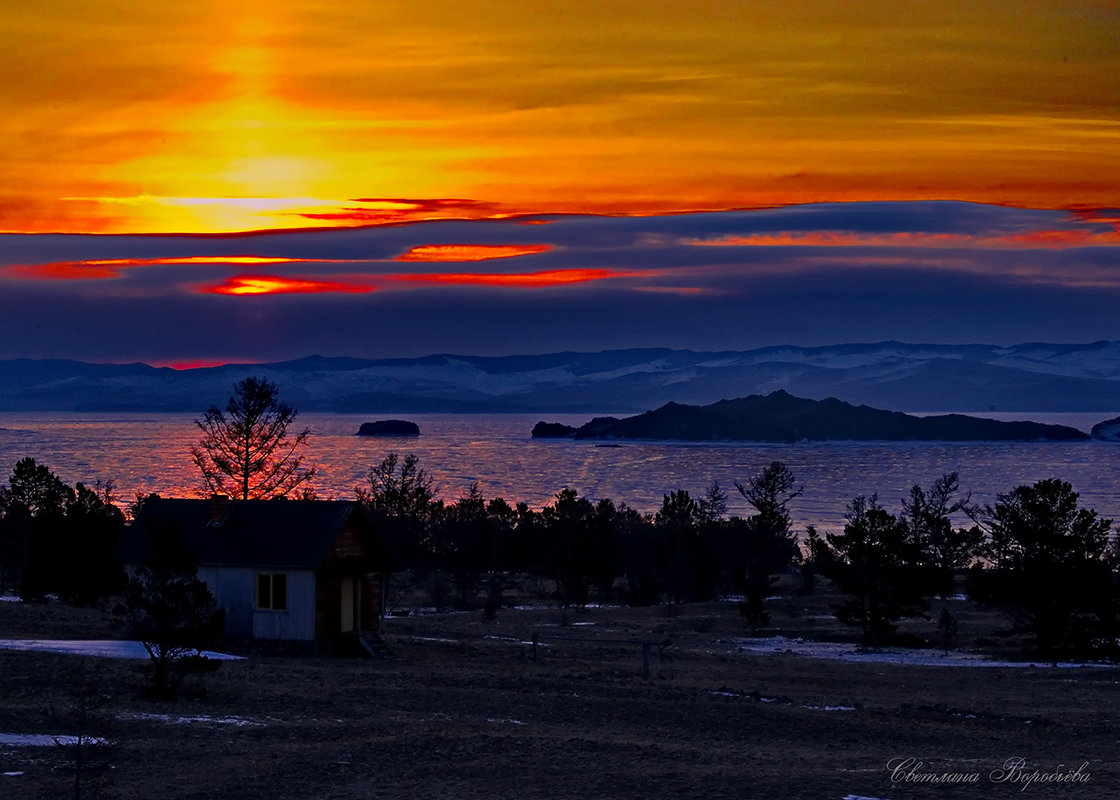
(468, 708)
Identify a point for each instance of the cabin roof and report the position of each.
(293, 534)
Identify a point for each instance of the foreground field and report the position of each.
(463, 709)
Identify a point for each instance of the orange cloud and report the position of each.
(1048, 239)
(357, 216)
(557, 277)
(393, 210)
(469, 252)
(271, 284)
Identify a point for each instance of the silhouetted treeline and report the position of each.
(586, 550)
(1051, 565)
(58, 539)
(1035, 554)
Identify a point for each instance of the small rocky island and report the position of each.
(389, 427)
(781, 417)
(553, 430)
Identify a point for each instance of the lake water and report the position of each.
(149, 453)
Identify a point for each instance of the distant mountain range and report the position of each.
(904, 377)
(781, 417)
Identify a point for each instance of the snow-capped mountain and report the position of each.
(904, 377)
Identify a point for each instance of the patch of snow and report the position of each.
(204, 719)
(104, 648)
(505, 721)
(12, 774)
(44, 740)
(1091, 362)
(437, 639)
(861, 797)
(515, 640)
(839, 651)
(752, 696)
(830, 708)
(426, 611)
(8, 598)
(554, 607)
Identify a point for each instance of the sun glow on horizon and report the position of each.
(259, 116)
(245, 285)
(191, 364)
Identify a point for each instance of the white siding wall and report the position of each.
(235, 589)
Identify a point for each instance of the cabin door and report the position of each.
(349, 603)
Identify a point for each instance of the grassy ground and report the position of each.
(464, 710)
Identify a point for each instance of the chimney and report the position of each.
(219, 507)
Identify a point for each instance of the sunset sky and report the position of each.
(201, 182)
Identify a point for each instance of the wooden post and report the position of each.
(645, 659)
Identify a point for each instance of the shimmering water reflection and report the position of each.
(149, 452)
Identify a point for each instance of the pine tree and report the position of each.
(170, 610)
(245, 451)
(887, 574)
(1051, 570)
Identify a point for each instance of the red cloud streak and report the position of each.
(469, 252)
(523, 280)
(107, 268)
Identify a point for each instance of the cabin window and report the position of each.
(272, 591)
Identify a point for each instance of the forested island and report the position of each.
(781, 417)
(389, 427)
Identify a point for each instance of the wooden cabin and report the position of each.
(295, 570)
